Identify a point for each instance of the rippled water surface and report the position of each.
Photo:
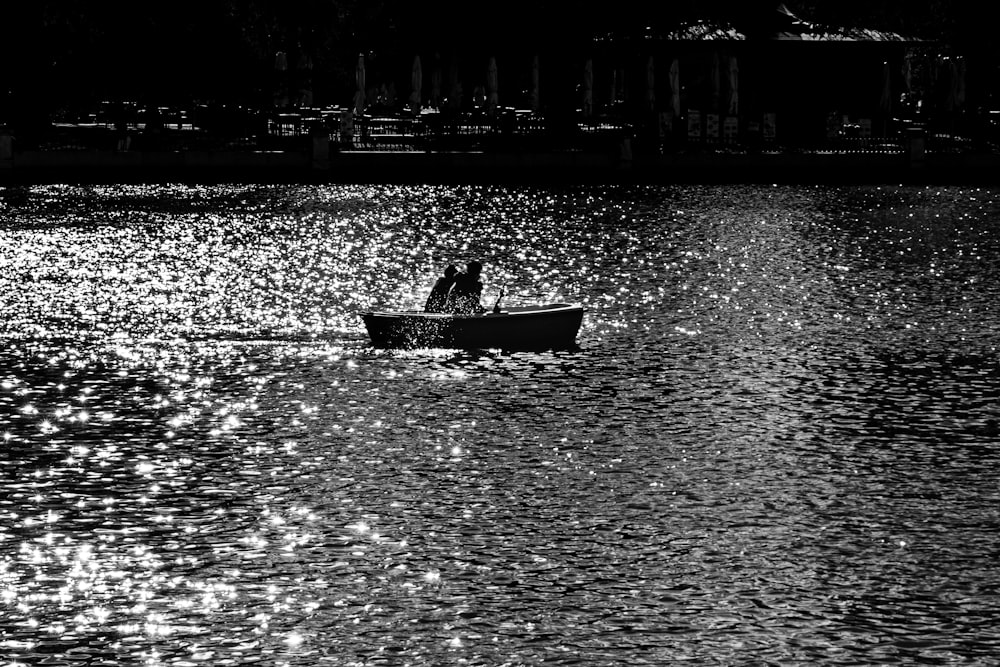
(778, 442)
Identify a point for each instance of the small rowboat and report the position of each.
(543, 327)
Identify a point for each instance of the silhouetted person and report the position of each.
(438, 297)
(465, 295)
(121, 128)
(154, 119)
(153, 128)
(6, 144)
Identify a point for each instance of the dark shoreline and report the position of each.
(46, 167)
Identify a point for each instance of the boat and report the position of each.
(552, 326)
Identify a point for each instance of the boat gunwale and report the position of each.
(523, 311)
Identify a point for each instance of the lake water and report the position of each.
(777, 443)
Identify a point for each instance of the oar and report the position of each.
(496, 306)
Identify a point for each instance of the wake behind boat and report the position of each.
(539, 327)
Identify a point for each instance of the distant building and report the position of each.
(781, 76)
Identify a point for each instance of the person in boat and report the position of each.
(468, 290)
(438, 298)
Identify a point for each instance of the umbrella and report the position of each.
(733, 104)
(907, 72)
(416, 81)
(455, 86)
(492, 83)
(675, 87)
(715, 78)
(885, 100)
(946, 77)
(650, 84)
(954, 80)
(304, 68)
(359, 79)
(281, 79)
(535, 101)
(960, 82)
(436, 82)
(588, 87)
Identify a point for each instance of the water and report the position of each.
(777, 443)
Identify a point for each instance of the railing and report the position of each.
(511, 130)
